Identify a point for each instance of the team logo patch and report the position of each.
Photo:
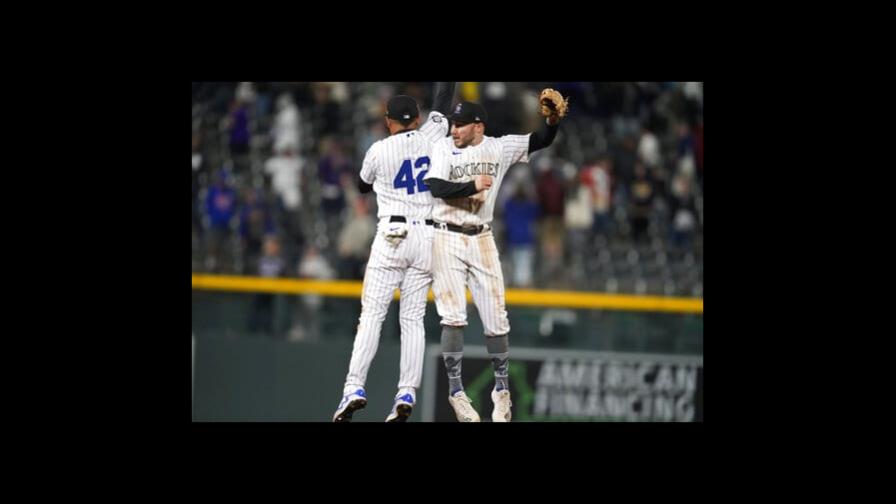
(437, 118)
(457, 109)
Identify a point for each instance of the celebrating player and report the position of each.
(400, 256)
(467, 171)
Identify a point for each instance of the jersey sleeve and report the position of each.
(515, 149)
(438, 163)
(369, 166)
(435, 128)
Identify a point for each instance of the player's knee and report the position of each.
(502, 327)
(373, 315)
(410, 318)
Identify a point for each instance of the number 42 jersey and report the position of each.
(396, 166)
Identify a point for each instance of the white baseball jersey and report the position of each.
(396, 166)
(460, 259)
(493, 156)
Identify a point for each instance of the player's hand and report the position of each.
(483, 182)
(479, 197)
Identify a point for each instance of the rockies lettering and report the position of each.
(470, 169)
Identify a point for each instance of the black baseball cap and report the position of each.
(468, 112)
(402, 108)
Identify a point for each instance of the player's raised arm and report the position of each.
(554, 107)
(436, 126)
(442, 96)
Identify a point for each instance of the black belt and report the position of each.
(399, 218)
(467, 230)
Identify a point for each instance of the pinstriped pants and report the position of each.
(460, 260)
(406, 267)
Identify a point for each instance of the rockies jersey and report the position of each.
(397, 165)
(493, 156)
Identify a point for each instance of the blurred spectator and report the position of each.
(649, 148)
(550, 200)
(686, 166)
(287, 125)
(220, 207)
(197, 153)
(285, 170)
(263, 95)
(693, 94)
(256, 221)
(239, 128)
(624, 157)
(238, 125)
(245, 92)
(339, 92)
(685, 145)
(334, 169)
(376, 130)
(520, 213)
(314, 265)
(324, 111)
(683, 211)
(271, 265)
(306, 325)
(578, 217)
(197, 166)
(355, 240)
(597, 179)
(643, 191)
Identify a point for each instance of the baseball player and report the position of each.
(466, 174)
(400, 256)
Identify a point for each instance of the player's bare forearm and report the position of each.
(543, 136)
(442, 96)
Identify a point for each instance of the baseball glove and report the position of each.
(553, 103)
(395, 233)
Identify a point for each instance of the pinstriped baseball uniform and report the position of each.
(396, 166)
(460, 259)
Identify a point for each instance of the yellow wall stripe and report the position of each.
(526, 297)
